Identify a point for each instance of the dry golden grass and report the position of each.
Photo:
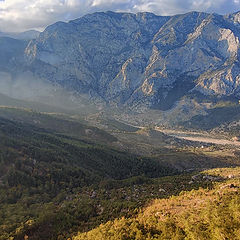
(191, 215)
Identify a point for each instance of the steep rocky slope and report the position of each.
(181, 65)
(141, 58)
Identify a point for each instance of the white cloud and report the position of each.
(107, 2)
(170, 7)
(19, 15)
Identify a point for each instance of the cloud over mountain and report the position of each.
(20, 15)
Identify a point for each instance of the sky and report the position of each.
(22, 15)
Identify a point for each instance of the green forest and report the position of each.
(47, 181)
(58, 182)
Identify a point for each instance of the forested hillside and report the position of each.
(211, 213)
(47, 179)
(60, 176)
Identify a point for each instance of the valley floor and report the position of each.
(198, 137)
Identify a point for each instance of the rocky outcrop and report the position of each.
(140, 59)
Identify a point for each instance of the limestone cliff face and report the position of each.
(140, 59)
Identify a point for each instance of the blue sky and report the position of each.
(21, 15)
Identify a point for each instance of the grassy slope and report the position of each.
(59, 123)
(211, 213)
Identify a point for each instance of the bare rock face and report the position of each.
(140, 59)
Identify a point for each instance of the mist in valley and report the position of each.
(25, 88)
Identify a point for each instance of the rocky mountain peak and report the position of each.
(140, 59)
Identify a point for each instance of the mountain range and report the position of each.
(140, 61)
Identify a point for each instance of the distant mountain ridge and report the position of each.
(27, 35)
(140, 60)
